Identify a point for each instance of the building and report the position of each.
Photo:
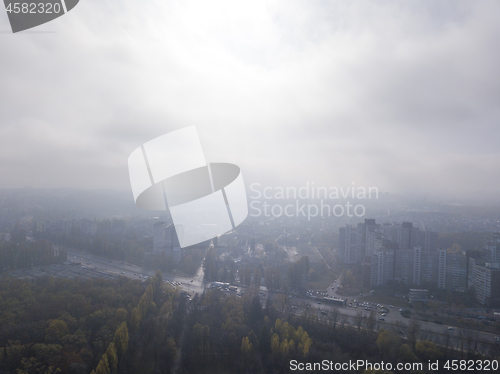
(417, 262)
(492, 247)
(456, 271)
(441, 281)
(382, 267)
(428, 240)
(403, 265)
(407, 235)
(165, 240)
(348, 245)
(487, 284)
(429, 268)
(418, 295)
(368, 237)
(399, 252)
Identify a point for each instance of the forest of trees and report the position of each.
(18, 253)
(126, 326)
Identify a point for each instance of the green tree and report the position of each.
(246, 346)
(427, 350)
(406, 354)
(121, 340)
(56, 330)
(112, 357)
(387, 343)
(103, 366)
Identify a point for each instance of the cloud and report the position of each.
(398, 95)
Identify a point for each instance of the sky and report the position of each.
(403, 96)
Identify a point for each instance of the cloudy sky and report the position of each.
(399, 95)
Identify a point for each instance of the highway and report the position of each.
(85, 265)
(95, 264)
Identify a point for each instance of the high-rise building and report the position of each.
(382, 267)
(441, 283)
(403, 264)
(417, 261)
(492, 246)
(456, 271)
(487, 284)
(349, 245)
(429, 268)
(165, 240)
(430, 243)
(367, 231)
(407, 235)
(396, 251)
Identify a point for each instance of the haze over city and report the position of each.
(398, 95)
(257, 186)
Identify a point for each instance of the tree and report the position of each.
(275, 345)
(427, 350)
(121, 340)
(257, 275)
(246, 346)
(103, 366)
(370, 323)
(272, 278)
(246, 275)
(347, 279)
(413, 332)
(406, 354)
(56, 330)
(358, 320)
(388, 343)
(112, 357)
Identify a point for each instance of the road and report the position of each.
(96, 264)
(85, 265)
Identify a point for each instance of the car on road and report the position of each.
(191, 281)
(383, 314)
(451, 328)
(382, 318)
(123, 272)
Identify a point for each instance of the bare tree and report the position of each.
(370, 323)
(335, 317)
(358, 320)
(413, 331)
